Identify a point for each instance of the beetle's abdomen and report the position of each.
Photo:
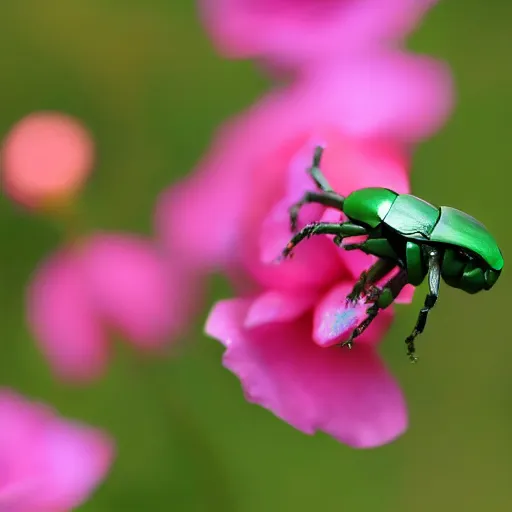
(369, 205)
(412, 217)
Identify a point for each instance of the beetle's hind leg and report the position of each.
(434, 279)
(383, 299)
(340, 230)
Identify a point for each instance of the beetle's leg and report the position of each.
(434, 279)
(315, 172)
(329, 199)
(369, 277)
(327, 196)
(340, 230)
(387, 295)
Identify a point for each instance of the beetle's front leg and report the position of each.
(315, 172)
(326, 196)
(329, 199)
(434, 279)
(340, 230)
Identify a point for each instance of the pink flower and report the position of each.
(232, 215)
(46, 158)
(300, 31)
(278, 335)
(108, 282)
(47, 463)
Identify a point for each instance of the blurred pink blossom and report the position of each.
(390, 99)
(103, 284)
(301, 31)
(47, 463)
(46, 158)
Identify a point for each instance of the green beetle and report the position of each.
(408, 234)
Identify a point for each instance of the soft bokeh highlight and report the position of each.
(46, 158)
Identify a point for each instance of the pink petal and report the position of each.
(333, 321)
(346, 394)
(275, 306)
(404, 96)
(275, 231)
(17, 460)
(135, 290)
(351, 164)
(76, 460)
(296, 32)
(198, 219)
(62, 318)
(406, 295)
(356, 261)
(312, 266)
(47, 463)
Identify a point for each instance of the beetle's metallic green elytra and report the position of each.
(407, 234)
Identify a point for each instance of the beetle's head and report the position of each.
(468, 271)
(491, 276)
(476, 275)
(476, 278)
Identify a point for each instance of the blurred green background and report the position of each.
(144, 78)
